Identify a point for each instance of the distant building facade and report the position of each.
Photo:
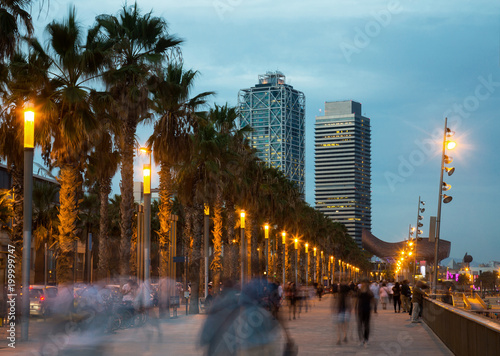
(343, 166)
(276, 112)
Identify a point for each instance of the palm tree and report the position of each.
(11, 149)
(12, 16)
(194, 190)
(217, 134)
(68, 123)
(171, 137)
(102, 165)
(45, 222)
(113, 240)
(138, 43)
(231, 181)
(23, 80)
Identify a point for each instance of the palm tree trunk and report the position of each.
(164, 214)
(127, 203)
(68, 215)
(254, 252)
(216, 265)
(17, 175)
(289, 264)
(318, 268)
(234, 265)
(248, 237)
(195, 263)
(103, 266)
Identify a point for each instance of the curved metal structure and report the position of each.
(389, 250)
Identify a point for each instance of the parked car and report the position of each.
(42, 299)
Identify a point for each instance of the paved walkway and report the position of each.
(314, 332)
(391, 334)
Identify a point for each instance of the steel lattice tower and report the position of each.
(276, 112)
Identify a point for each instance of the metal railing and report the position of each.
(462, 332)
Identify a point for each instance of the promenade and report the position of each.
(314, 332)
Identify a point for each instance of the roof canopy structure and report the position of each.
(390, 250)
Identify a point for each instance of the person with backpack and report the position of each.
(405, 296)
(396, 297)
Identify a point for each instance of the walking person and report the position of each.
(405, 296)
(342, 311)
(384, 296)
(417, 301)
(363, 309)
(390, 291)
(375, 289)
(396, 297)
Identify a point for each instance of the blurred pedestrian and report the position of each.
(384, 295)
(342, 311)
(274, 299)
(396, 297)
(366, 300)
(375, 289)
(405, 296)
(448, 298)
(319, 290)
(237, 324)
(390, 285)
(417, 301)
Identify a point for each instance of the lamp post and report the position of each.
(266, 235)
(147, 220)
(283, 235)
(147, 215)
(29, 146)
(417, 233)
(296, 241)
(307, 265)
(321, 270)
(206, 227)
(332, 266)
(411, 230)
(243, 248)
(442, 197)
(340, 271)
(314, 269)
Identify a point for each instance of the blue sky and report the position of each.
(410, 64)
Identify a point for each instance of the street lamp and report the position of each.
(29, 146)
(147, 220)
(442, 198)
(296, 241)
(332, 266)
(243, 248)
(307, 264)
(283, 241)
(266, 235)
(417, 233)
(340, 270)
(146, 243)
(206, 237)
(314, 269)
(321, 270)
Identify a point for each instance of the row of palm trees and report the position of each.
(90, 91)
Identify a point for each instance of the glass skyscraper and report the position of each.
(276, 112)
(343, 166)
